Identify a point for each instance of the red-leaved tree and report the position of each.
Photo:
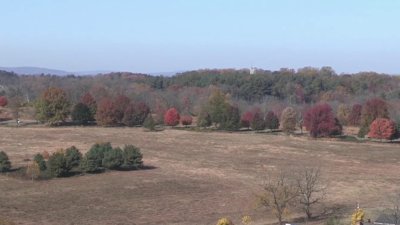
(3, 101)
(171, 117)
(382, 128)
(321, 122)
(246, 119)
(106, 114)
(186, 120)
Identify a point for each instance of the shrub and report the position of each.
(204, 119)
(320, 121)
(258, 122)
(186, 120)
(171, 117)
(81, 114)
(132, 157)
(92, 162)
(382, 128)
(149, 122)
(73, 157)
(246, 119)
(334, 221)
(271, 120)
(224, 221)
(3, 101)
(288, 120)
(39, 159)
(33, 170)
(113, 159)
(5, 164)
(135, 114)
(57, 164)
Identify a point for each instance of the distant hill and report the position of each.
(28, 70)
(34, 71)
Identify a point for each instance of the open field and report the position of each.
(197, 177)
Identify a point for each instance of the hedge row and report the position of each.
(62, 163)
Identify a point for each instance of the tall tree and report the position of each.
(135, 114)
(106, 114)
(320, 121)
(354, 118)
(53, 106)
(288, 120)
(217, 106)
(90, 102)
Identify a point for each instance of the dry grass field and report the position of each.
(196, 177)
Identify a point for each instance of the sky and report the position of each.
(153, 36)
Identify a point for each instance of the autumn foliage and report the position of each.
(90, 102)
(171, 117)
(271, 120)
(288, 120)
(106, 113)
(53, 106)
(320, 121)
(355, 115)
(258, 122)
(3, 101)
(186, 120)
(246, 119)
(382, 128)
(135, 114)
(372, 109)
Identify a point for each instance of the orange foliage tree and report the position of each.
(382, 128)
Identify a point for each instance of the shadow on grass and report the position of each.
(334, 211)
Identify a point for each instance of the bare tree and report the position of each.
(310, 188)
(279, 194)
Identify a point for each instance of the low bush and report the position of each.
(224, 221)
(132, 157)
(33, 171)
(39, 159)
(57, 164)
(113, 159)
(73, 157)
(149, 122)
(186, 120)
(92, 162)
(5, 164)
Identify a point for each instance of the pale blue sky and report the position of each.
(174, 35)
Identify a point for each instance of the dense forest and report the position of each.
(189, 92)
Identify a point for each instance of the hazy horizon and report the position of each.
(169, 36)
